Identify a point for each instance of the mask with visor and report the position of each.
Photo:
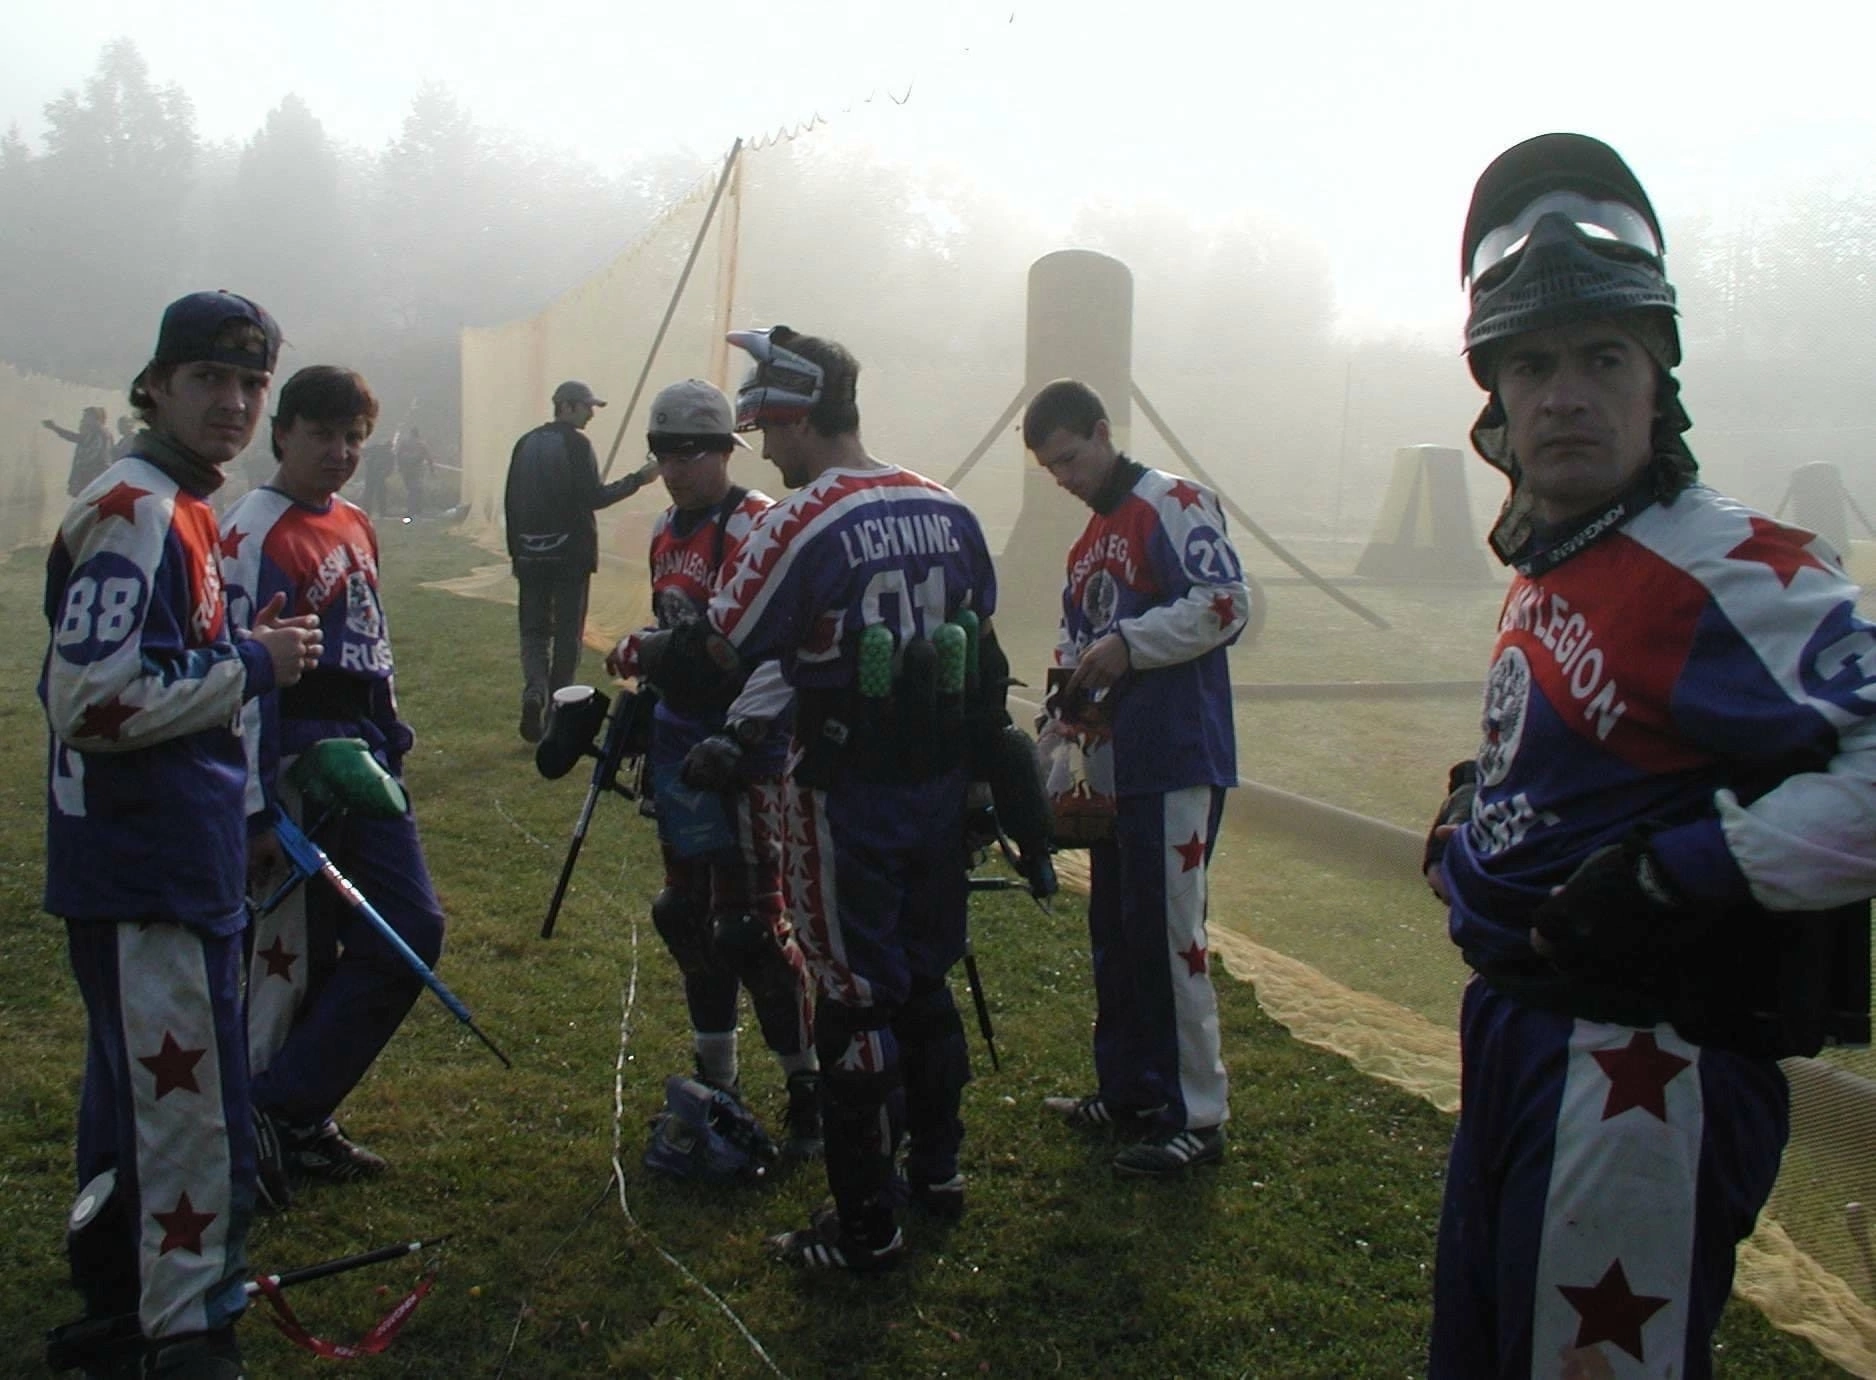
(783, 386)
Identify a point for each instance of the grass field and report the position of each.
(1307, 1254)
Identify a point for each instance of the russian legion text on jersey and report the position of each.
(783, 596)
(1750, 664)
(1159, 570)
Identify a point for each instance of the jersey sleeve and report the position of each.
(139, 654)
(1209, 602)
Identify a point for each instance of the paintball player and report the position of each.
(325, 990)
(1657, 865)
(853, 582)
(91, 448)
(553, 489)
(415, 464)
(1154, 596)
(720, 913)
(146, 847)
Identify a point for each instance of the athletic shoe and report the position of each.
(1096, 1113)
(321, 1151)
(944, 1200)
(197, 1356)
(802, 1122)
(533, 714)
(273, 1187)
(1171, 1153)
(822, 1245)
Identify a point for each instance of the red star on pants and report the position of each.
(173, 1066)
(105, 720)
(1195, 958)
(231, 543)
(1191, 853)
(1781, 549)
(1186, 493)
(1611, 1311)
(182, 1227)
(1224, 611)
(120, 500)
(1639, 1075)
(278, 960)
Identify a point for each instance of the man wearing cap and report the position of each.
(91, 448)
(853, 583)
(1658, 864)
(146, 845)
(718, 777)
(552, 493)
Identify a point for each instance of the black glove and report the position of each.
(1462, 785)
(1619, 914)
(712, 764)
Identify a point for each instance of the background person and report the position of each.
(1675, 779)
(146, 853)
(91, 448)
(720, 913)
(1154, 596)
(326, 992)
(551, 494)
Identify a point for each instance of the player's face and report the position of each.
(211, 409)
(1079, 464)
(695, 481)
(1580, 407)
(318, 457)
(785, 447)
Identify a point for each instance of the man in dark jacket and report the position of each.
(553, 542)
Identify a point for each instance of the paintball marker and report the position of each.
(574, 730)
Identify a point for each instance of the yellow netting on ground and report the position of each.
(34, 463)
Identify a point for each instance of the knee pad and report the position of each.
(681, 921)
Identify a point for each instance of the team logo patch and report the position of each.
(362, 614)
(1507, 705)
(1208, 558)
(675, 608)
(104, 605)
(1100, 597)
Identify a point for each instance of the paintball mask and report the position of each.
(1559, 231)
(782, 387)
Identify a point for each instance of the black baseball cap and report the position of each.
(194, 327)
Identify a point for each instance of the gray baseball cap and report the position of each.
(573, 391)
(693, 408)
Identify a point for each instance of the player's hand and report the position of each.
(1103, 664)
(622, 660)
(293, 643)
(712, 764)
(1619, 912)
(1462, 788)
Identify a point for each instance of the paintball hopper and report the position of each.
(573, 725)
(341, 774)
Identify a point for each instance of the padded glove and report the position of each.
(1619, 914)
(712, 765)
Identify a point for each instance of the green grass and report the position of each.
(1306, 1254)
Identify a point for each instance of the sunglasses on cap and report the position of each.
(1610, 227)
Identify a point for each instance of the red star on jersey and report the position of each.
(1187, 494)
(231, 543)
(1780, 549)
(120, 500)
(173, 1066)
(1639, 1076)
(1195, 957)
(278, 960)
(105, 720)
(1611, 1311)
(1224, 611)
(1191, 852)
(182, 1227)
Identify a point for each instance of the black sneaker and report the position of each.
(1096, 1113)
(1171, 1153)
(533, 714)
(273, 1187)
(802, 1121)
(321, 1151)
(944, 1200)
(202, 1356)
(822, 1245)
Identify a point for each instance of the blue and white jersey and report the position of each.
(1677, 666)
(143, 687)
(852, 549)
(1160, 571)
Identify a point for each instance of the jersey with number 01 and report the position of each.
(1160, 570)
(852, 549)
(143, 690)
